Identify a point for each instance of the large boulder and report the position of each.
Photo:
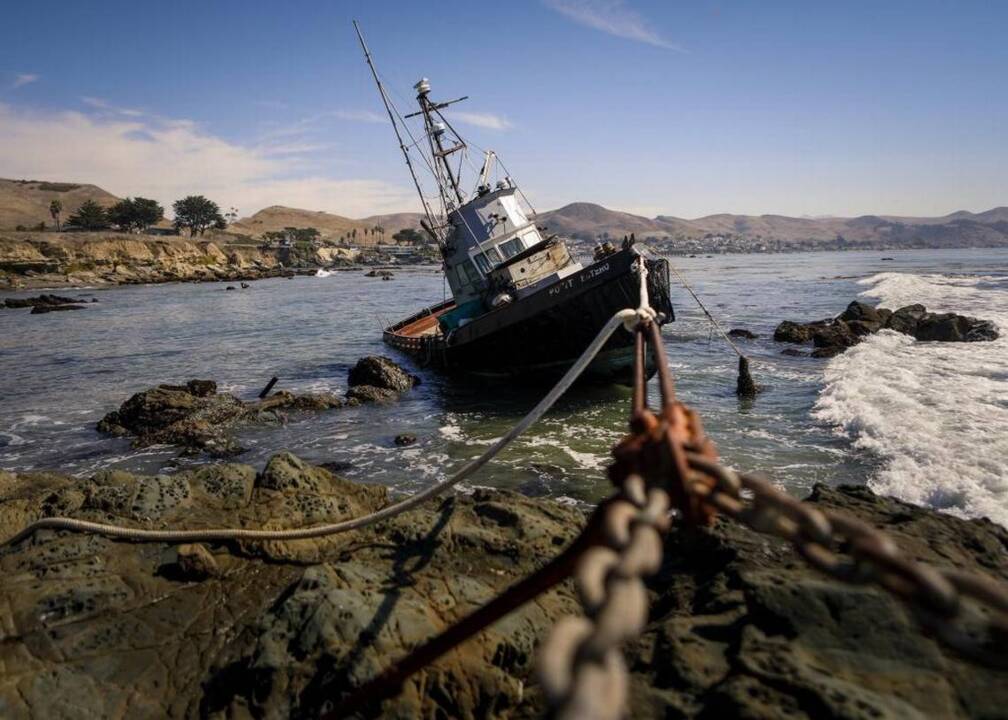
(949, 327)
(381, 372)
(192, 416)
(837, 334)
(905, 319)
(793, 332)
(860, 311)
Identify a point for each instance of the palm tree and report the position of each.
(55, 208)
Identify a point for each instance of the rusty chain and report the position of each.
(669, 459)
(667, 468)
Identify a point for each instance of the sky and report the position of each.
(652, 107)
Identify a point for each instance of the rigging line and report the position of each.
(395, 128)
(689, 289)
(517, 187)
(706, 312)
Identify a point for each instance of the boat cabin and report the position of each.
(495, 253)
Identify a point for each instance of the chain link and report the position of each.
(668, 461)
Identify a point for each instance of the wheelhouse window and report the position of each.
(486, 261)
(470, 272)
(482, 263)
(511, 248)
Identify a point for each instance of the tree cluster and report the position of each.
(135, 215)
(410, 236)
(293, 235)
(197, 214)
(89, 216)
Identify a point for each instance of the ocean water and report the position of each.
(927, 422)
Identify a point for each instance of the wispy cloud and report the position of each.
(22, 79)
(483, 120)
(367, 116)
(613, 17)
(167, 159)
(99, 104)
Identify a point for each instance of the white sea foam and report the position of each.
(934, 414)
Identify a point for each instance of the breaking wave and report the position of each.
(935, 415)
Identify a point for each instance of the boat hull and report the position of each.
(543, 334)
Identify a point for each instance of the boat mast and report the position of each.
(435, 130)
(431, 223)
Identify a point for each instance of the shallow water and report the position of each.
(924, 421)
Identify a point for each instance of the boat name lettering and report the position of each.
(584, 277)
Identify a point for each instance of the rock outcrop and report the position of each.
(48, 259)
(45, 303)
(833, 336)
(379, 379)
(739, 627)
(196, 417)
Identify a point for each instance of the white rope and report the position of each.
(628, 318)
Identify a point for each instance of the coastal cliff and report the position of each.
(739, 627)
(30, 260)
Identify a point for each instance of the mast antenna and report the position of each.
(395, 128)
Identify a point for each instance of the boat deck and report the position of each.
(421, 327)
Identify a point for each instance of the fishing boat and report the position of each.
(521, 304)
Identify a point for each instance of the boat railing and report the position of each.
(430, 310)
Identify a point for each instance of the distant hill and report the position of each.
(332, 227)
(586, 221)
(395, 222)
(26, 202)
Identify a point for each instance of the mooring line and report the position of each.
(627, 318)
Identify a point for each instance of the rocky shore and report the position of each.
(834, 335)
(739, 627)
(38, 260)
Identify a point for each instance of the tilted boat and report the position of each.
(521, 303)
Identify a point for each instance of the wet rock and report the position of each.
(740, 625)
(860, 328)
(742, 333)
(45, 301)
(405, 439)
(370, 394)
(196, 563)
(828, 351)
(381, 372)
(949, 327)
(831, 337)
(835, 335)
(202, 388)
(906, 318)
(860, 311)
(245, 286)
(794, 352)
(307, 401)
(175, 415)
(230, 287)
(793, 332)
(41, 309)
(196, 417)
